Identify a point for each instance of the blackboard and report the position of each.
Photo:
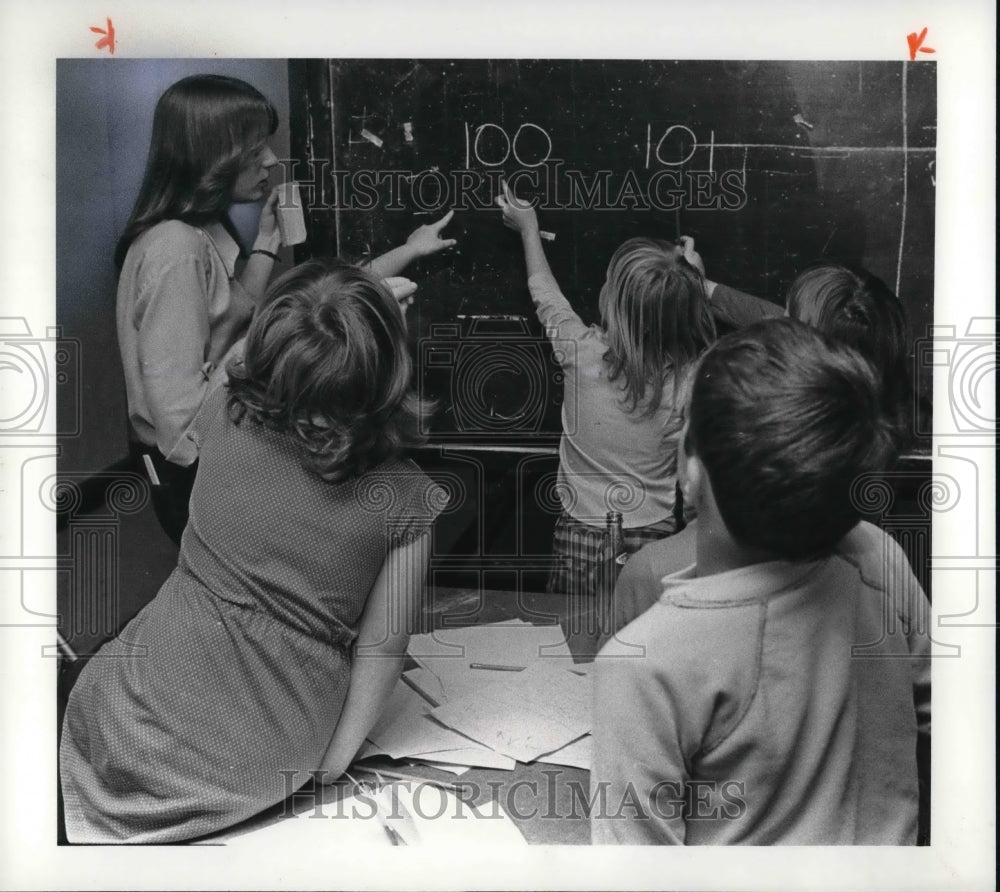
(769, 165)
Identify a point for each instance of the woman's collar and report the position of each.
(225, 246)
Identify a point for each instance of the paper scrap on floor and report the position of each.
(441, 819)
(526, 715)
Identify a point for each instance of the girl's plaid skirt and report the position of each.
(580, 552)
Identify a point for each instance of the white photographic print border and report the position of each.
(959, 40)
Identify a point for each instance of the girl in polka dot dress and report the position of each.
(273, 646)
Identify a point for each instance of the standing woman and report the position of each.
(181, 305)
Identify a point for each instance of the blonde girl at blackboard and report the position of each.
(618, 450)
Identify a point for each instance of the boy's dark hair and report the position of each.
(326, 362)
(784, 419)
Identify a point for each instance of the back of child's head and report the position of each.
(326, 361)
(656, 316)
(860, 310)
(784, 419)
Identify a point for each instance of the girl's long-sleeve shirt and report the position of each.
(609, 459)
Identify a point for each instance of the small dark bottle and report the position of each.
(616, 540)
(614, 556)
(607, 574)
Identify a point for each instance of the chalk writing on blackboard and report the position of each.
(492, 150)
(674, 139)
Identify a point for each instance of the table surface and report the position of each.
(548, 803)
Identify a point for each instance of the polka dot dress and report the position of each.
(223, 693)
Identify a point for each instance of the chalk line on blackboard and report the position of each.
(906, 157)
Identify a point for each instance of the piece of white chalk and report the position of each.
(372, 138)
(150, 470)
(291, 221)
(548, 236)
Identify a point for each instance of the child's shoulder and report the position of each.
(685, 621)
(691, 657)
(398, 485)
(878, 558)
(666, 556)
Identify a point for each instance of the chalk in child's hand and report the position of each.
(545, 234)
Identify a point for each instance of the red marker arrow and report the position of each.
(915, 41)
(108, 40)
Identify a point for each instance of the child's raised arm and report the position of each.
(554, 311)
(422, 242)
(520, 216)
(727, 304)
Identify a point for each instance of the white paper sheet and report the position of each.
(578, 754)
(451, 652)
(533, 712)
(407, 730)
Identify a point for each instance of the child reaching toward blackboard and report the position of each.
(272, 648)
(784, 676)
(850, 305)
(618, 445)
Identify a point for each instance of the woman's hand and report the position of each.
(268, 233)
(402, 289)
(517, 214)
(686, 244)
(427, 240)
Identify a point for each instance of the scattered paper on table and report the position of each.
(427, 684)
(406, 729)
(443, 766)
(475, 756)
(537, 711)
(578, 754)
(449, 652)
